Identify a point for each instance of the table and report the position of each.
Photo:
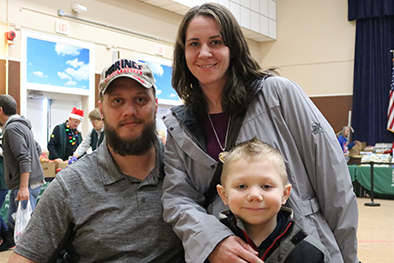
(383, 178)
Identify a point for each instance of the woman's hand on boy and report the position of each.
(234, 249)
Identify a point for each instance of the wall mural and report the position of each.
(57, 73)
(162, 71)
(57, 64)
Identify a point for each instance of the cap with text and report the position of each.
(137, 71)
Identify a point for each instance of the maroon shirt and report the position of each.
(220, 122)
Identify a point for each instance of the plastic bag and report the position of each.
(22, 218)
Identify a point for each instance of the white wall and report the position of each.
(314, 47)
(38, 117)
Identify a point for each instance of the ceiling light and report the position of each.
(78, 8)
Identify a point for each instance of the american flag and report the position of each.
(390, 111)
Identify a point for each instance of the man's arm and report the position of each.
(84, 146)
(20, 150)
(23, 193)
(16, 258)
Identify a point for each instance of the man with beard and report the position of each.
(106, 207)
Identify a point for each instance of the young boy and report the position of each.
(254, 186)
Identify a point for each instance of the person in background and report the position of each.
(217, 78)
(65, 137)
(94, 138)
(254, 186)
(6, 234)
(106, 206)
(22, 167)
(343, 136)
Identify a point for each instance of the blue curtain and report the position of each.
(361, 9)
(372, 70)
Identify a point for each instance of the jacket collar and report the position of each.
(228, 215)
(10, 120)
(185, 115)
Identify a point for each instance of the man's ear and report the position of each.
(286, 193)
(222, 193)
(100, 106)
(157, 105)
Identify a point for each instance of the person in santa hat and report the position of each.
(65, 138)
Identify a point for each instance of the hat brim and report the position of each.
(144, 83)
(75, 116)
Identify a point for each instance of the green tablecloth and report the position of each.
(383, 178)
(352, 171)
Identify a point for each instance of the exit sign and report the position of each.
(62, 27)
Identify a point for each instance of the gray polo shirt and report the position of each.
(102, 215)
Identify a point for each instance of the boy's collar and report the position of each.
(286, 211)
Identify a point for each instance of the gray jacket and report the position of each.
(21, 152)
(282, 115)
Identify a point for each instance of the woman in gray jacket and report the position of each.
(217, 78)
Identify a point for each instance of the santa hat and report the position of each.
(76, 114)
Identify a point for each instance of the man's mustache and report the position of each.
(128, 120)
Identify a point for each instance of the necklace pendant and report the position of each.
(222, 156)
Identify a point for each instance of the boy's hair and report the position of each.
(95, 115)
(253, 151)
(8, 104)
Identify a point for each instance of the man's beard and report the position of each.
(139, 146)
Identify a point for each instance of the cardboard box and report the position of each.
(369, 149)
(49, 169)
(355, 151)
(60, 165)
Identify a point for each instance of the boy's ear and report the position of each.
(222, 193)
(286, 193)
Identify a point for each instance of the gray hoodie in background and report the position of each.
(21, 152)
